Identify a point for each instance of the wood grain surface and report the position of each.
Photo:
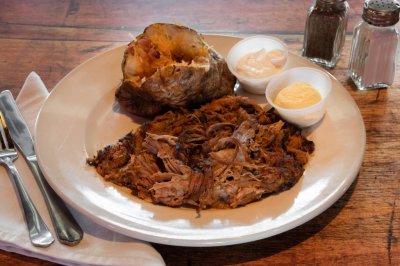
(362, 228)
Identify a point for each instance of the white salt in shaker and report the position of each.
(375, 44)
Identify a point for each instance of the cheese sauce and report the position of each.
(261, 64)
(297, 95)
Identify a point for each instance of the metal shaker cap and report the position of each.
(381, 12)
(332, 1)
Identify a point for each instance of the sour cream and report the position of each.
(297, 95)
(261, 64)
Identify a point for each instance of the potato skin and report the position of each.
(175, 85)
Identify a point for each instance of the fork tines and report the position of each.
(5, 139)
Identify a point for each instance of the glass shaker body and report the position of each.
(325, 32)
(373, 56)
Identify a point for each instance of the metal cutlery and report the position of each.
(38, 232)
(67, 229)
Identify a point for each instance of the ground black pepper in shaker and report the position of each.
(325, 31)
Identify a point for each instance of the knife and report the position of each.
(67, 229)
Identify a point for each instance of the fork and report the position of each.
(38, 231)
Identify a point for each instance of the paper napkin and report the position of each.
(99, 245)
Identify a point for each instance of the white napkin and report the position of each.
(99, 245)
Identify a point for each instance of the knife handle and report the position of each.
(67, 229)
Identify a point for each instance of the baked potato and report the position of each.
(170, 66)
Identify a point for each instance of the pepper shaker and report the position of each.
(375, 44)
(325, 31)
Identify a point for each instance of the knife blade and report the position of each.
(66, 227)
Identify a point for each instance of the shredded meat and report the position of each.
(226, 154)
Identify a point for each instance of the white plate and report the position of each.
(80, 117)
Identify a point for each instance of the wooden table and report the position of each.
(362, 228)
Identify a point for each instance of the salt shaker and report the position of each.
(375, 44)
(325, 31)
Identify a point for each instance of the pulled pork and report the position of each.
(226, 154)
